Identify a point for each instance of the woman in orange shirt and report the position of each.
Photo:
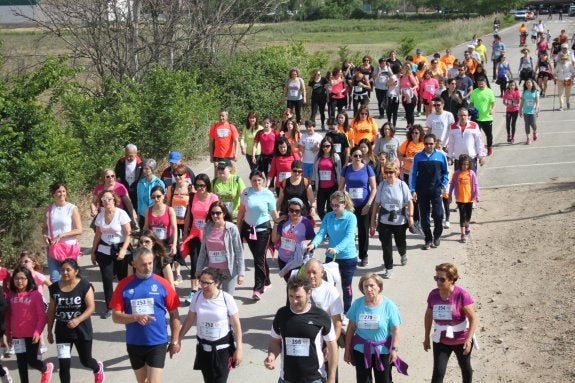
(406, 151)
(364, 126)
(343, 126)
(464, 184)
(292, 134)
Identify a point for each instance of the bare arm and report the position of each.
(333, 358)
(274, 349)
(174, 226)
(236, 325)
(427, 322)
(472, 318)
(187, 325)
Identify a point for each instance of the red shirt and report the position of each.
(224, 135)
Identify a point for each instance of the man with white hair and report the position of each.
(474, 54)
(129, 171)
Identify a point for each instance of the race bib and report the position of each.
(358, 89)
(200, 223)
(356, 193)
(390, 206)
(442, 312)
(180, 211)
(284, 176)
(337, 147)
(142, 306)
(512, 103)
(325, 175)
(429, 88)
(161, 232)
(437, 126)
(297, 346)
(294, 93)
(210, 330)
(530, 103)
(217, 256)
(309, 144)
(223, 132)
(368, 321)
(63, 350)
(229, 206)
(111, 238)
(288, 244)
(19, 346)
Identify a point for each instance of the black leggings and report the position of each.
(323, 201)
(386, 232)
(363, 375)
(295, 105)
(446, 211)
(409, 110)
(465, 210)
(487, 127)
(441, 354)
(84, 348)
(391, 110)
(259, 248)
(29, 358)
(337, 104)
(109, 267)
(381, 95)
(362, 231)
(510, 122)
(318, 104)
(195, 245)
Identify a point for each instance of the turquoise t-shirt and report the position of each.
(258, 205)
(529, 102)
(374, 323)
(483, 100)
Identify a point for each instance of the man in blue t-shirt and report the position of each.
(140, 302)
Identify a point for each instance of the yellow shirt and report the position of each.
(482, 50)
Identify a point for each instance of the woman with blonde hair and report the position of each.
(339, 225)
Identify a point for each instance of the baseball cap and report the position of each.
(419, 50)
(564, 45)
(174, 157)
(224, 163)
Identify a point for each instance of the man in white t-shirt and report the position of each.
(308, 147)
(439, 121)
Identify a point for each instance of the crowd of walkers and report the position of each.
(307, 193)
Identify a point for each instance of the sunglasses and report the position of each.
(109, 176)
(200, 186)
(106, 199)
(364, 114)
(217, 213)
(439, 279)
(389, 172)
(429, 143)
(180, 174)
(436, 104)
(357, 155)
(326, 146)
(294, 211)
(297, 171)
(157, 196)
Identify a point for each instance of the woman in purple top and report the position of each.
(450, 309)
(358, 179)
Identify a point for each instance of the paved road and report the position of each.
(551, 156)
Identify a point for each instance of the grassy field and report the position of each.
(24, 47)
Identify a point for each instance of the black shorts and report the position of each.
(152, 356)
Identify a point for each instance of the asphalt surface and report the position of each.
(548, 159)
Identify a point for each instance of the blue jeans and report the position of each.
(435, 203)
(346, 270)
(54, 269)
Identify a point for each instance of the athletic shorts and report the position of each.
(307, 170)
(152, 356)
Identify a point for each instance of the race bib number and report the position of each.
(442, 312)
(200, 223)
(161, 232)
(356, 193)
(217, 256)
(530, 103)
(284, 176)
(210, 330)
(309, 144)
(429, 88)
(325, 175)
(358, 89)
(19, 345)
(390, 206)
(294, 93)
(297, 346)
(223, 132)
(288, 244)
(180, 211)
(437, 126)
(63, 350)
(512, 103)
(337, 147)
(368, 321)
(142, 306)
(111, 238)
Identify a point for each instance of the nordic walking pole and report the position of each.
(554, 91)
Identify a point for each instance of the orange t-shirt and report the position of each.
(409, 149)
(471, 65)
(448, 60)
(364, 129)
(224, 135)
(464, 187)
(419, 59)
(349, 134)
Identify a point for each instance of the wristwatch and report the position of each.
(394, 348)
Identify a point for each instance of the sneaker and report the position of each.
(512, 140)
(10, 351)
(257, 295)
(106, 314)
(191, 296)
(568, 105)
(363, 262)
(427, 246)
(446, 225)
(47, 375)
(528, 142)
(436, 243)
(344, 320)
(6, 378)
(99, 376)
(463, 239)
(179, 279)
(387, 274)
(467, 230)
(489, 151)
(509, 139)
(404, 260)
(267, 287)
(535, 136)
